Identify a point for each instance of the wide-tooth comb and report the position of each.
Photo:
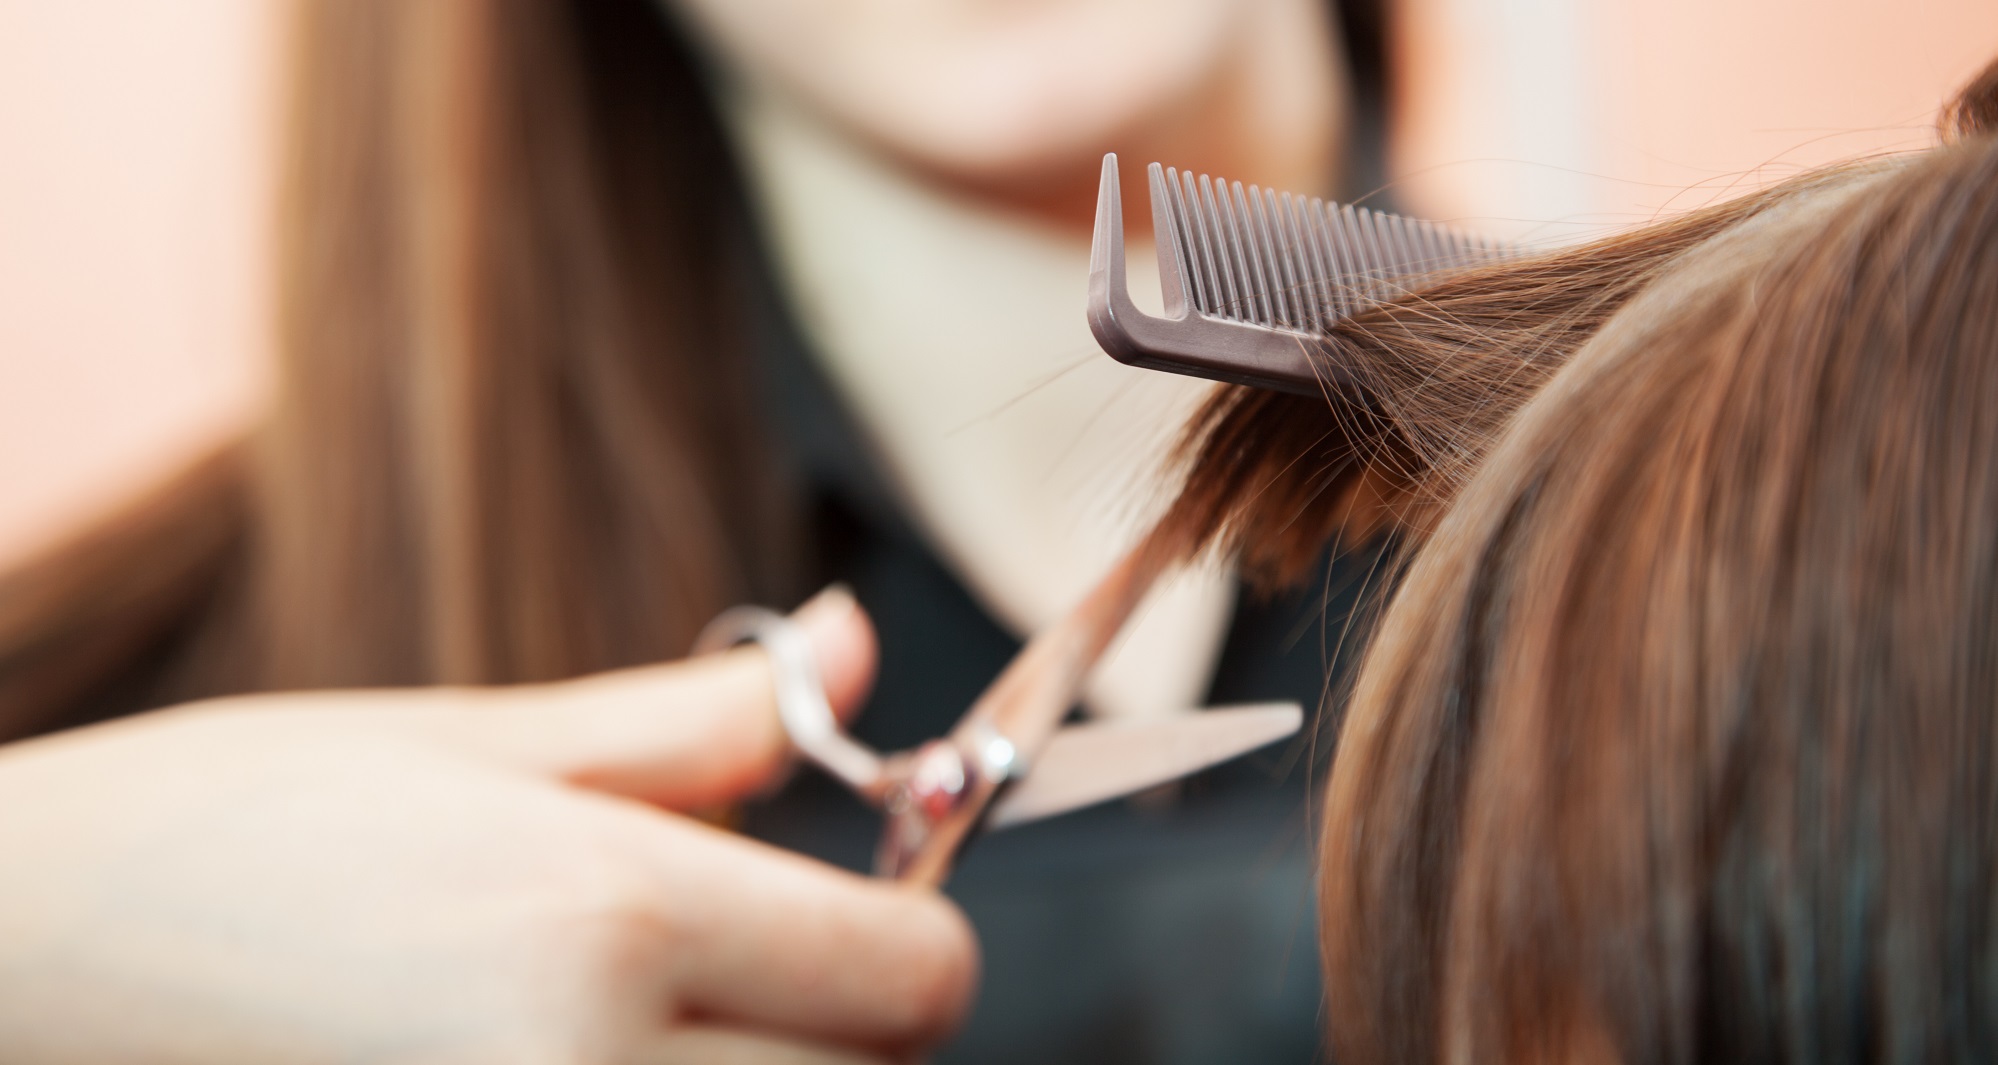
(1252, 277)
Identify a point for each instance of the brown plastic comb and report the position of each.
(1252, 277)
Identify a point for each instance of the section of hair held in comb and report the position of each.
(1271, 478)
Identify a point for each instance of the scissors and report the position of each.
(1009, 760)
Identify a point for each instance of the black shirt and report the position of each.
(1172, 928)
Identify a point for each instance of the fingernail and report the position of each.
(828, 619)
(832, 602)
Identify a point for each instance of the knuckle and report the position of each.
(632, 941)
(612, 933)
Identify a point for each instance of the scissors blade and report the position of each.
(1022, 708)
(1086, 764)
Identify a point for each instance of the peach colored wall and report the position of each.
(1703, 90)
(134, 192)
(133, 208)
(1554, 119)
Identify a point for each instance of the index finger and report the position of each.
(681, 735)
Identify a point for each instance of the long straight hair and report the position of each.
(1676, 741)
(514, 432)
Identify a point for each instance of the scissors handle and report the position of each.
(801, 697)
(935, 796)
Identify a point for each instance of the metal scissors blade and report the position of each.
(1008, 749)
(1086, 764)
(1005, 729)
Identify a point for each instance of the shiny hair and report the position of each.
(1677, 740)
(514, 435)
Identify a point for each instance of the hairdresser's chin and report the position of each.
(1025, 98)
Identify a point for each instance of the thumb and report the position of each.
(681, 735)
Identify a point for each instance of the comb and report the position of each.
(1253, 277)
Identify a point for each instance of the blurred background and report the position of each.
(908, 184)
(139, 142)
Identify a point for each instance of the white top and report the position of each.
(1029, 459)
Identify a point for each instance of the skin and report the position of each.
(406, 843)
(1015, 103)
(509, 876)
(455, 875)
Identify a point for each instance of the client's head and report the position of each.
(1678, 739)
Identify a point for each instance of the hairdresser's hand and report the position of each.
(453, 876)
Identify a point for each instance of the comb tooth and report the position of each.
(1394, 255)
(1176, 217)
(1265, 264)
(1363, 254)
(1216, 301)
(1275, 298)
(1248, 269)
(1275, 302)
(1306, 297)
(1202, 248)
(1296, 224)
(1258, 284)
(1247, 308)
(1453, 248)
(1188, 212)
(1400, 256)
(1471, 248)
(1485, 248)
(1432, 246)
(1415, 256)
(1466, 249)
(1166, 231)
(1436, 245)
(1324, 267)
(1347, 234)
(1236, 233)
(1373, 255)
(1215, 196)
(1409, 246)
(1307, 291)
(1460, 251)
(1324, 247)
(1269, 281)
(1293, 276)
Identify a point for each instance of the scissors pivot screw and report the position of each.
(939, 794)
(936, 782)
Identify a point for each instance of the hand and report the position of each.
(454, 875)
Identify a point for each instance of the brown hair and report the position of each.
(513, 434)
(1676, 742)
(1270, 477)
